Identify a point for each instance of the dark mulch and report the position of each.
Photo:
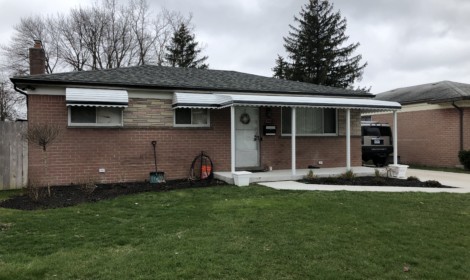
(65, 196)
(374, 181)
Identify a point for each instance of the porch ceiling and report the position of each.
(222, 100)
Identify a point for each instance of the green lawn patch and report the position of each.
(9, 193)
(242, 233)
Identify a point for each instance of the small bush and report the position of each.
(348, 175)
(310, 175)
(412, 179)
(377, 173)
(433, 184)
(464, 157)
(88, 186)
(36, 192)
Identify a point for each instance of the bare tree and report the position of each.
(29, 29)
(11, 102)
(43, 135)
(143, 36)
(102, 36)
(72, 49)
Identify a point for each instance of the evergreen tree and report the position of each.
(281, 68)
(183, 50)
(316, 50)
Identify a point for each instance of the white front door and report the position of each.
(247, 137)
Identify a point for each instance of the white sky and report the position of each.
(405, 42)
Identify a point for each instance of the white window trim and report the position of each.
(314, 134)
(94, 124)
(192, 125)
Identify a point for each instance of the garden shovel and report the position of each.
(156, 177)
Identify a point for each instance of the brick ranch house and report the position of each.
(434, 123)
(110, 117)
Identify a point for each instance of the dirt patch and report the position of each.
(65, 196)
(374, 181)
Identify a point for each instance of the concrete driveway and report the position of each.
(460, 181)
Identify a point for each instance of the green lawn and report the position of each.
(242, 233)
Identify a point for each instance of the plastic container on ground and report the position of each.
(241, 178)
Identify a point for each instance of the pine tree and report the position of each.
(281, 69)
(183, 50)
(316, 50)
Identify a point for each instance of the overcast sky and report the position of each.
(405, 42)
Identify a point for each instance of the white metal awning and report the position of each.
(96, 97)
(222, 100)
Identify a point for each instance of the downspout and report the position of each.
(25, 95)
(461, 124)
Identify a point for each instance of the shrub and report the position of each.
(87, 186)
(35, 191)
(377, 173)
(464, 157)
(412, 179)
(432, 184)
(348, 175)
(310, 175)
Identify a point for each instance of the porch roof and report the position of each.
(223, 100)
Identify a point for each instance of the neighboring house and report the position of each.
(242, 121)
(434, 123)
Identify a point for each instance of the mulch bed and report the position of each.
(65, 196)
(374, 181)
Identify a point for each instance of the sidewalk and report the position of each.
(458, 180)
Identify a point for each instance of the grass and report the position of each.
(242, 233)
(4, 194)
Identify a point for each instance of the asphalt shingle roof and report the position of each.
(160, 77)
(435, 92)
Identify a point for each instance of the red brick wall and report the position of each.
(466, 129)
(276, 150)
(430, 137)
(127, 154)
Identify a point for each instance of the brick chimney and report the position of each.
(37, 59)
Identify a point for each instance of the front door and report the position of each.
(247, 137)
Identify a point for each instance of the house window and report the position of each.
(310, 121)
(192, 117)
(95, 116)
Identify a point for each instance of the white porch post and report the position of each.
(348, 139)
(395, 138)
(293, 132)
(232, 138)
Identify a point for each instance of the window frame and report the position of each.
(312, 134)
(208, 124)
(95, 124)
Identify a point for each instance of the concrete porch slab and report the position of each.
(286, 174)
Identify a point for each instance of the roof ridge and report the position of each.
(455, 88)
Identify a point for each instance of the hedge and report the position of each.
(464, 157)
